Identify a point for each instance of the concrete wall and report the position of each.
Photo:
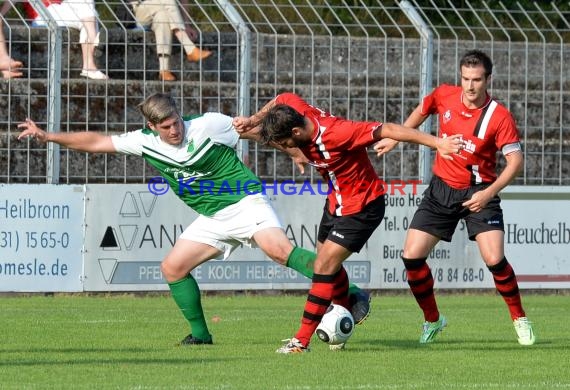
(366, 79)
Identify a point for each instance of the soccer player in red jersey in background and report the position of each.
(465, 187)
(355, 204)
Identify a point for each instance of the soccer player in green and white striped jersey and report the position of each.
(196, 156)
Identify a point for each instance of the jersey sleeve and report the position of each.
(429, 102)
(219, 128)
(301, 106)
(294, 101)
(351, 135)
(129, 143)
(362, 134)
(288, 98)
(347, 134)
(507, 133)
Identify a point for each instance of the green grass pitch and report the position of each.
(128, 342)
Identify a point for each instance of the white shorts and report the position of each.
(69, 13)
(234, 225)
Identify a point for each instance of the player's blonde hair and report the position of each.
(158, 107)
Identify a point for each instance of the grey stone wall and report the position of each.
(363, 79)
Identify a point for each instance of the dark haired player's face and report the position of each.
(302, 141)
(300, 137)
(474, 84)
(170, 130)
(287, 143)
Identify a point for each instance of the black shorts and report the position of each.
(441, 209)
(352, 231)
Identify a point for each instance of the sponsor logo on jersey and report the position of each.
(447, 116)
(190, 148)
(469, 146)
(178, 173)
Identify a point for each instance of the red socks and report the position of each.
(507, 285)
(324, 290)
(421, 282)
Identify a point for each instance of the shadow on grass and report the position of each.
(134, 361)
(74, 350)
(105, 356)
(383, 344)
(463, 345)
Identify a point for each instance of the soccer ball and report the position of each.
(336, 326)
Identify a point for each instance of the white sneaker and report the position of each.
(94, 74)
(523, 327)
(292, 345)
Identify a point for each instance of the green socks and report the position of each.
(186, 294)
(302, 260)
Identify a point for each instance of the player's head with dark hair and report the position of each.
(279, 123)
(158, 107)
(474, 58)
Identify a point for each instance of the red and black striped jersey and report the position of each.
(338, 152)
(485, 130)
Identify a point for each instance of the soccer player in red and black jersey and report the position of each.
(355, 203)
(465, 187)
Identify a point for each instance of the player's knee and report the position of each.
(413, 253)
(495, 264)
(170, 272)
(327, 266)
(277, 250)
(413, 263)
(165, 269)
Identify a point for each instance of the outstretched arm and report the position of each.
(445, 146)
(85, 141)
(244, 124)
(295, 153)
(415, 119)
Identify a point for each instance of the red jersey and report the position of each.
(338, 152)
(485, 130)
(31, 13)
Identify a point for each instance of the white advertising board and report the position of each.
(454, 265)
(129, 231)
(537, 243)
(41, 238)
(537, 235)
(113, 238)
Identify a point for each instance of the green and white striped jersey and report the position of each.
(204, 170)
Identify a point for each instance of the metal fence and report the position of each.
(364, 60)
